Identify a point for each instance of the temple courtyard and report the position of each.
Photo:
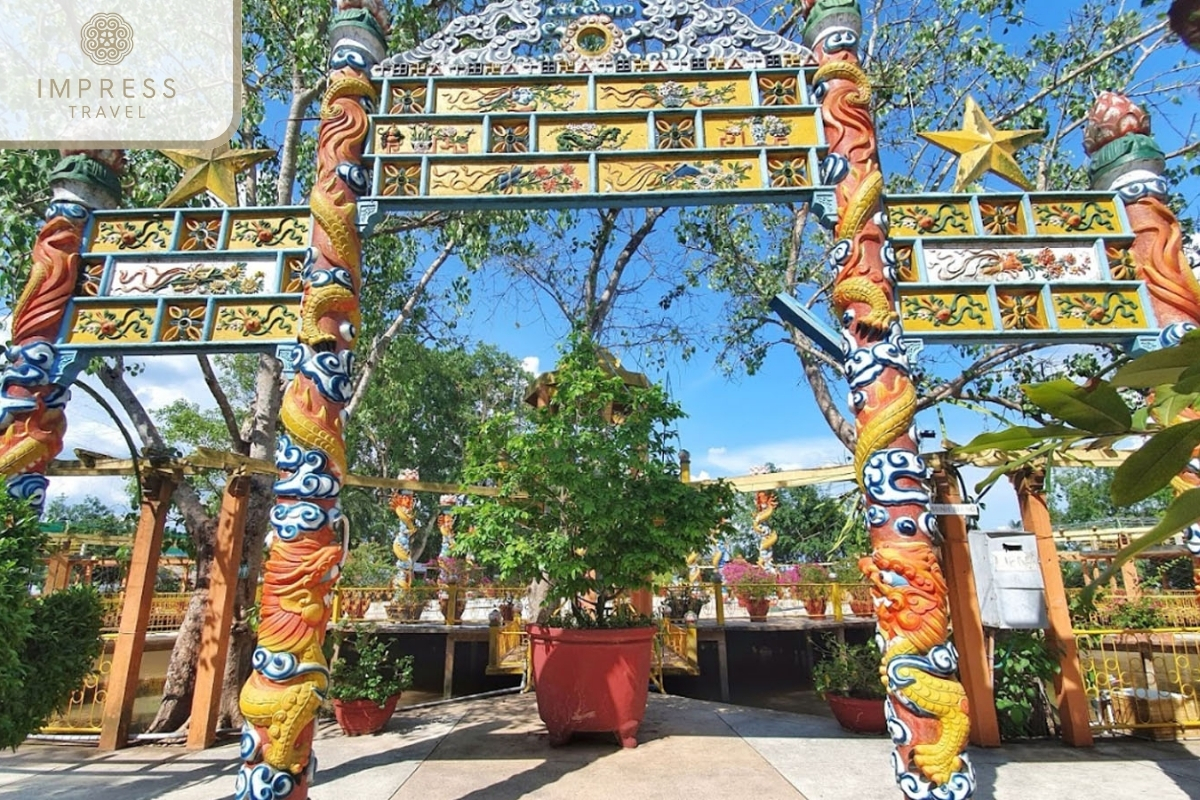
(496, 748)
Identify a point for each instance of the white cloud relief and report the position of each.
(785, 454)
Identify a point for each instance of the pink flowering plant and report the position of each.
(748, 581)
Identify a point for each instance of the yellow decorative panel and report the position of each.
(118, 323)
(529, 177)
(133, 233)
(933, 218)
(946, 311)
(1099, 308)
(1022, 311)
(184, 322)
(454, 137)
(660, 174)
(594, 134)
(779, 90)
(249, 321)
(201, 232)
(1097, 217)
(408, 97)
(273, 230)
(568, 94)
(655, 91)
(1002, 217)
(781, 129)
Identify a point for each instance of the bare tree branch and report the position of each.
(223, 405)
(380, 344)
(604, 305)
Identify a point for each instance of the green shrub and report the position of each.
(1023, 660)
(47, 644)
(851, 670)
(363, 670)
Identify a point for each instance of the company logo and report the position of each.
(106, 39)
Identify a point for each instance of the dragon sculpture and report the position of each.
(306, 547)
(927, 706)
(33, 387)
(1125, 158)
(403, 504)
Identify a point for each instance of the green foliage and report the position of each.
(369, 564)
(47, 644)
(1165, 449)
(622, 616)
(1023, 660)
(851, 670)
(364, 670)
(591, 506)
(420, 416)
(1137, 614)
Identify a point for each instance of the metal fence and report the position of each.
(1141, 681)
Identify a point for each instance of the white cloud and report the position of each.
(531, 364)
(785, 454)
(703, 476)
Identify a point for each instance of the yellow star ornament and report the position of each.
(981, 148)
(211, 170)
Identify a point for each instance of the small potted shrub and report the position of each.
(408, 603)
(365, 682)
(679, 600)
(814, 589)
(855, 586)
(589, 500)
(849, 678)
(752, 586)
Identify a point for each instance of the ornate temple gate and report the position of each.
(568, 107)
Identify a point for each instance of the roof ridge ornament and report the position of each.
(681, 34)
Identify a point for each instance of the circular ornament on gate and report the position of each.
(591, 38)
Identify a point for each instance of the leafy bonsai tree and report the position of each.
(364, 670)
(47, 644)
(588, 490)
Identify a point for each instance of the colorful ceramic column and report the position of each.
(306, 544)
(926, 706)
(403, 503)
(765, 503)
(34, 386)
(1125, 158)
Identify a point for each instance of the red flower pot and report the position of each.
(591, 680)
(359, 717)
(757, 608)
(815, 606)
(856, 715)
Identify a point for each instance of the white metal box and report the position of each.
(1008, 579)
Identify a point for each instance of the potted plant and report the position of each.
(680, 599)
(408, 603)
(849, 678)
(855, 586)
(752, 586)
(456, 576)
(814, 589)
(365, 682)
(589, 500)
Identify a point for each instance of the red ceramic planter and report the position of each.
(359, 717)
(758, 608)
(858, 716)
(591, 680)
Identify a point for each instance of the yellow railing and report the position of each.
(84, 711)
(439, 605)
(1141, 681)
(1179, 609)
(815, 600)
(167, 611)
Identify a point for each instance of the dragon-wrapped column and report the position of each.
(926, 705)
(1126, 159)
(290, 675)
(34, 387)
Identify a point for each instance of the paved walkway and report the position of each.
(496, 749)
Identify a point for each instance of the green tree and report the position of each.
(589, 491)
(47, 644)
